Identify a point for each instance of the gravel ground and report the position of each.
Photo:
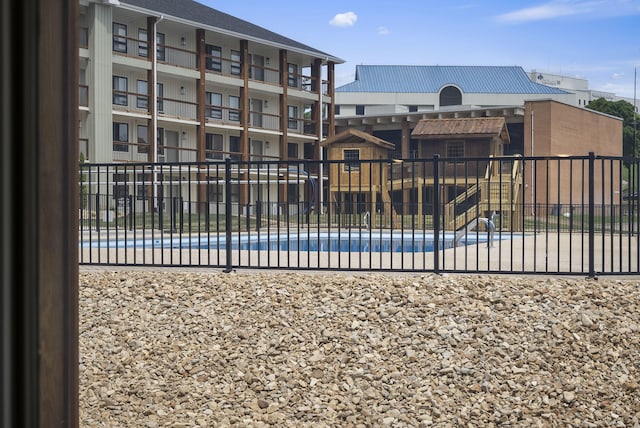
(185, 349)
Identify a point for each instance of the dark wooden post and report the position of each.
(39, 219)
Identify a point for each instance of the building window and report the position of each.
(292, 150)
(160, 51)
(236, 64)
(234, 148)
(120, 135)
(214, 104)
(308, 150)
(143, 43)
(360, 110)
(213, 61)
(292, 123)
(455, 150)
(337, 109)
(214, 146)
(142, 99)
(215, 189)
(141, 186)
(143, 138)
(293, 193)
(234, 108)
(292, 77)
(235, 193)
(450, 96)
(160, 97)
(351, 159)
(413, 109)
(256, 71)
(120, 191)
(119, 38)
(256, 149)
(120, 90)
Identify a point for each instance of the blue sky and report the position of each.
(598, 40)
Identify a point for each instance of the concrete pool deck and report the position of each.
(561, 253)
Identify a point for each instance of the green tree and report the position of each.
(625, 111)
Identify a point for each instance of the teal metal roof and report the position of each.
(432, 78)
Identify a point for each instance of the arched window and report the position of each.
(450, 96)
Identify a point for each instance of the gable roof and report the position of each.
(432, 78)
(477, 127)
(205, 16)
(353, 135)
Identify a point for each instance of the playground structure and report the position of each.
(368, 182)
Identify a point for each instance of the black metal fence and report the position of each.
(551, 215)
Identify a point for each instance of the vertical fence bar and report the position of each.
(227, 213)
(436, 214)
(592, 212)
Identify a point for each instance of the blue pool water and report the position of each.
(343, 241)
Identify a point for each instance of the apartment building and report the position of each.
(176, 81)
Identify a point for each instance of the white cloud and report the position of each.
(560, 8)
(617, 75)
(383, 31)
(346, 19)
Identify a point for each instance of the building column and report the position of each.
(201, 128)
(331, 82)
(404, 152)
(100, 76)
(284, 119)
(244, 122)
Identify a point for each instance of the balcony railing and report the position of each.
(223, 66)
(130, 101)
(301, 126)
(264, 120)
(220, 114)
(177, 56)
(227, 66)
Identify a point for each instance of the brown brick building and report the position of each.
(552, 128)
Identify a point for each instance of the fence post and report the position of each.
(160, 212)
(592, 212)
(180, 208)
(227, 212)
(97, 211)
(258, 214)
(130, 212)
(436, 214)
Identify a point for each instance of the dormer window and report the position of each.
(450, 96)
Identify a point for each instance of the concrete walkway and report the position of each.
(552, 252)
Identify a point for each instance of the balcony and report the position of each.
(217, 64)
(177, 109)
(301, 126)
(130, 101)
(222, 115)
(264, 120)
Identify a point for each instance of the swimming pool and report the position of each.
(342, 241)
